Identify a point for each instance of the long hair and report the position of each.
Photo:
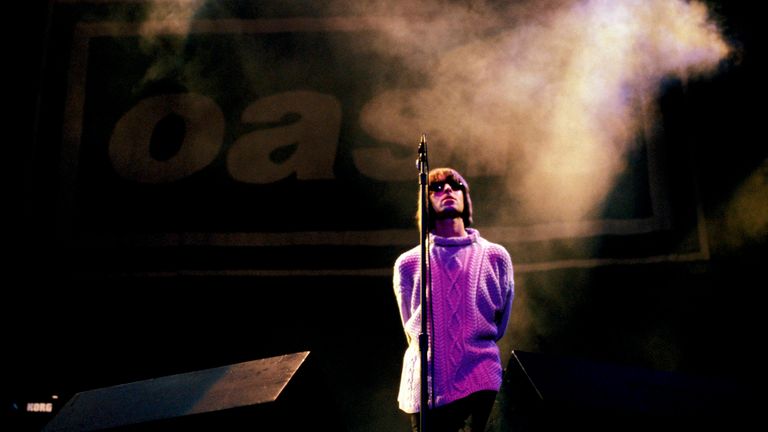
(439, 174)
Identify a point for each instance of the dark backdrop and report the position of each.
(110, 281)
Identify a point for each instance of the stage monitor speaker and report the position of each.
(545, 392)
(242, 396)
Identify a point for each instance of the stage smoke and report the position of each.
(550, 95)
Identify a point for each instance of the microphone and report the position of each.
(421, 162)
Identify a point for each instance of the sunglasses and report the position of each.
(439, 186)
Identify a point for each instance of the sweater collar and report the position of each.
(470, 238)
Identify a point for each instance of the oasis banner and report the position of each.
(186, 124)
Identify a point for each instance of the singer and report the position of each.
(471, 288)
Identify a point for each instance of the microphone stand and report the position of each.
(423, 167)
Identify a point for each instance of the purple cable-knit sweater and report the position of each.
(472, 290)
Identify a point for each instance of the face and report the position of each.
(447, 198)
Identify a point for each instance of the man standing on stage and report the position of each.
(471, 292)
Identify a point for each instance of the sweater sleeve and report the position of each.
(506, 279)
(403, 285)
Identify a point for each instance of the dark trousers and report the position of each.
(469, 414)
